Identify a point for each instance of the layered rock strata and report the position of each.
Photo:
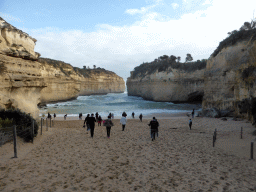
(26, 84)
(27, 81)
(174, 84)
(230, 79)
(16, 43)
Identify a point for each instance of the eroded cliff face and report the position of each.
(26, 83)
(173, 84)
(16, 43)
(230, 79)
(102, 83)
(21, 84)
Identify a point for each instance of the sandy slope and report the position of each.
(66, 159)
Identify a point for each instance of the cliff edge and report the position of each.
(167, 80)
(230, 75)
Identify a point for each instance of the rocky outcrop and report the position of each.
(16, 43)
(21, 84)
(26, 84)
(230, 78)
(27, 81)
(178, 82)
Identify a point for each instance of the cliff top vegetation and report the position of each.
(65, 68)
(163, 63)
(246, 32)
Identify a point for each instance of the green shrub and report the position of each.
(163, 65)
(5, 122)
(22, 121)
(234, 38)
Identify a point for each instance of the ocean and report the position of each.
(116, 103)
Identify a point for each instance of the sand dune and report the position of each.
(66, 159)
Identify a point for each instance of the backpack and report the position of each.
(108, 123)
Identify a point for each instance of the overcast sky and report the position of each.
(119, 35)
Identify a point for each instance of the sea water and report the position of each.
(115, 103)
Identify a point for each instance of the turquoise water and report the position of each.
(116, 103)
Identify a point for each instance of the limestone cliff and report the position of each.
(230, 76)
(168, 81)
(16, 43)
(27, 81)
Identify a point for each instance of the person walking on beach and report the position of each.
(112, 115)
(193, 113)
(54, 115)
(65, 117)
(154, 128)
(133, 115)
(108, 123)
(190, 123)
(97, 116)
(86, 121)
(123, 122)
(99, 121)
(91, 121)
(141, 117)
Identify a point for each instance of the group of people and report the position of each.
(49, 116)
(90, 122)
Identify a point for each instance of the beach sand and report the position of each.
(66, 158)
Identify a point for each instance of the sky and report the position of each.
(119, 35)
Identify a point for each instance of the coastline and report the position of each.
(156, 115)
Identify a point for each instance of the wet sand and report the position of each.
(65, 158)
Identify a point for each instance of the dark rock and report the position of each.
(195, 96)
(224, 119)
(226, 113)
(211, 112)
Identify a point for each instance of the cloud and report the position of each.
(121, 48)
(143, 10)
(175, 5)
(207, 2)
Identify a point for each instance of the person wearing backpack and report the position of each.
(108, 123)
(91, 121)
(154, 128)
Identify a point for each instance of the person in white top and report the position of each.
(123, 121)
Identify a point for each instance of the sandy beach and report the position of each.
(65, 158)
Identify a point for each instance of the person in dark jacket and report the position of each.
(97, 116)
(86, 121)
(133, 115)
(91, 121)
(193, 113)
(108, 123)
(141, 117)
(190, 124)
(99, 120)
(154, 127)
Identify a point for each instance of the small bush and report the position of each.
(150, 68)
(235, 38)
(5, 122)
(22, 121)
